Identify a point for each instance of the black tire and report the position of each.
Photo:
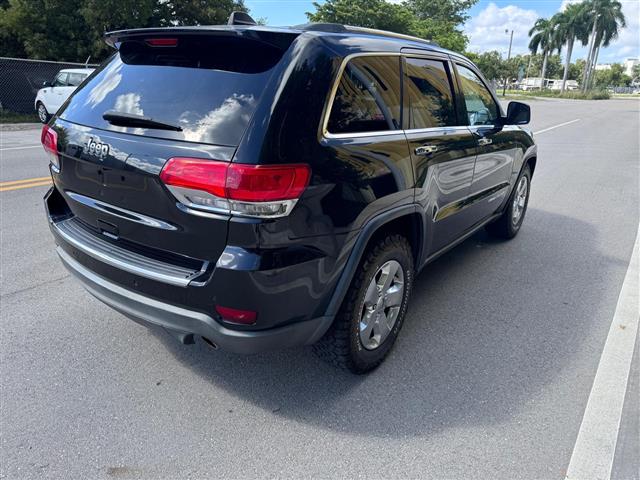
(342, 345)
(506, 226)
(42, 112)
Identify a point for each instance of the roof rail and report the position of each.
(321, 27)
(340, 28)
(385, 33)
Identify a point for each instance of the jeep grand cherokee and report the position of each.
(270, 187)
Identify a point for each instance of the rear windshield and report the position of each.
(209, 87)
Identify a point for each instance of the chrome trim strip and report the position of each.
(364, 134)
(227, 206)
(324, 133)
(175, 275)
(452, 128)
(334, 88)
(120, 212)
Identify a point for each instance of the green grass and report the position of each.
(574, 95)
(7, 116)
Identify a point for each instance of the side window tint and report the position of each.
(368, 96)
(60, 80)
(75, 79)
(429, 88)
(481, 108)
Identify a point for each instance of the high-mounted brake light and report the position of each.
(162, 42)
(263, 191)
(49, 140)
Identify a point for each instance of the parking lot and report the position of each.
(490, 376)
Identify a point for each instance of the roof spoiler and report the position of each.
(240, 18)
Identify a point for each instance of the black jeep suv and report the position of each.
(269, 187)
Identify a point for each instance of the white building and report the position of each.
(628, 65)
(603, 66)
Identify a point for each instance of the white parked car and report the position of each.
(50, 98)
(557, 85)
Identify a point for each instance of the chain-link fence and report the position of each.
(625, 89)
(21, 79)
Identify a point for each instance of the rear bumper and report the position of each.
(183, 323)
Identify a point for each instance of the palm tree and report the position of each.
(570, 25)
(606, 19)
(542, 38)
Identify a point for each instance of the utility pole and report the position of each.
(504, 86)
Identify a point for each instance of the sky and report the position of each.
(486, 25)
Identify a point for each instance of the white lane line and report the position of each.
(593, 453)
(556, 126)
(20, 148)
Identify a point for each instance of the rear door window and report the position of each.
(428, 85)
(75, 79)
(368, 97)
(208, 86)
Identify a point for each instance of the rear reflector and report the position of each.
(49, 140)
(232, 315)
(238, 189)
(162, 42)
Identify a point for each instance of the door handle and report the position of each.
(485, 141)
(426, 149)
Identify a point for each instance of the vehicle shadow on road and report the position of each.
(489, 326)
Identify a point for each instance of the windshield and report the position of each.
(208, 87)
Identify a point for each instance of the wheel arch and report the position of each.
(405, 220)
(531, 161)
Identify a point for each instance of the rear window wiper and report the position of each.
(123, 119)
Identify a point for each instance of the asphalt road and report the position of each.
(489, 378)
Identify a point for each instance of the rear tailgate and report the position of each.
(205, 86)
(115, 189)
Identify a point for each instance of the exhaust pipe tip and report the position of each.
(210, 343)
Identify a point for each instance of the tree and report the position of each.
(106, 15)
(569, 26)
(489, 63)
(365, 13)
(613, 77)
(453, 11)
(606, 19)
(441, 21)
(542, 38)
(611, 21)
(48, 29)
(554, 66)
(203, 12)
(437, 20)
(72, 30)
(576, 70)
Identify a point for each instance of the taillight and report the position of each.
(264, 191)
(49, 140)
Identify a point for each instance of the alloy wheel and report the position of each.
(519, 200)
(382, 303)
(42, 113)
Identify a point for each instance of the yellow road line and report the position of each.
(27, 180)
(26, 185)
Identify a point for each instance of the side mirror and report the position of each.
(518, 114)
(46, 84)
